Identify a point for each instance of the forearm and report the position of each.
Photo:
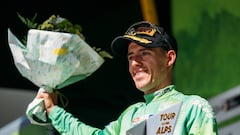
(64, 122)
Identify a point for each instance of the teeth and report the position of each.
(139, 74)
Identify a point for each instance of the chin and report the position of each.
(142, 88)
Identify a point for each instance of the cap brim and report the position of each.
(119, 45)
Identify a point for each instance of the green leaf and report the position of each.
(29, 23)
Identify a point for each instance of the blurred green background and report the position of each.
(208, 36)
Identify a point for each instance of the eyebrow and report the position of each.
(140, 50)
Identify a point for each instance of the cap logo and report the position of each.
(142, 40)
(143, 31)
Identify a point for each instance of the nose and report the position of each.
(136, 60)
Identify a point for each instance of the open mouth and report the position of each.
(139, 73)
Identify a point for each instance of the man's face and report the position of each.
(148, 67)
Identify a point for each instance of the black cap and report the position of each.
(145, 34)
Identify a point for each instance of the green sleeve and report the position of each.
(65, 123)
(201, 120)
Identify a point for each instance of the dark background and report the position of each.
(101, 97)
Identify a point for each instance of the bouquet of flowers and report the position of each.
(53, 55)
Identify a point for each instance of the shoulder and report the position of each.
(133, 107)
(195, 98)
(191, 100)
(197, 104)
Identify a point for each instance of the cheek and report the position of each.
(130, 69)
(159, 66)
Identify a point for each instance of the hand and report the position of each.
(50, 99)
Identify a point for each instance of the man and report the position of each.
(151, 54)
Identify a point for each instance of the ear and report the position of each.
(171, 57)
